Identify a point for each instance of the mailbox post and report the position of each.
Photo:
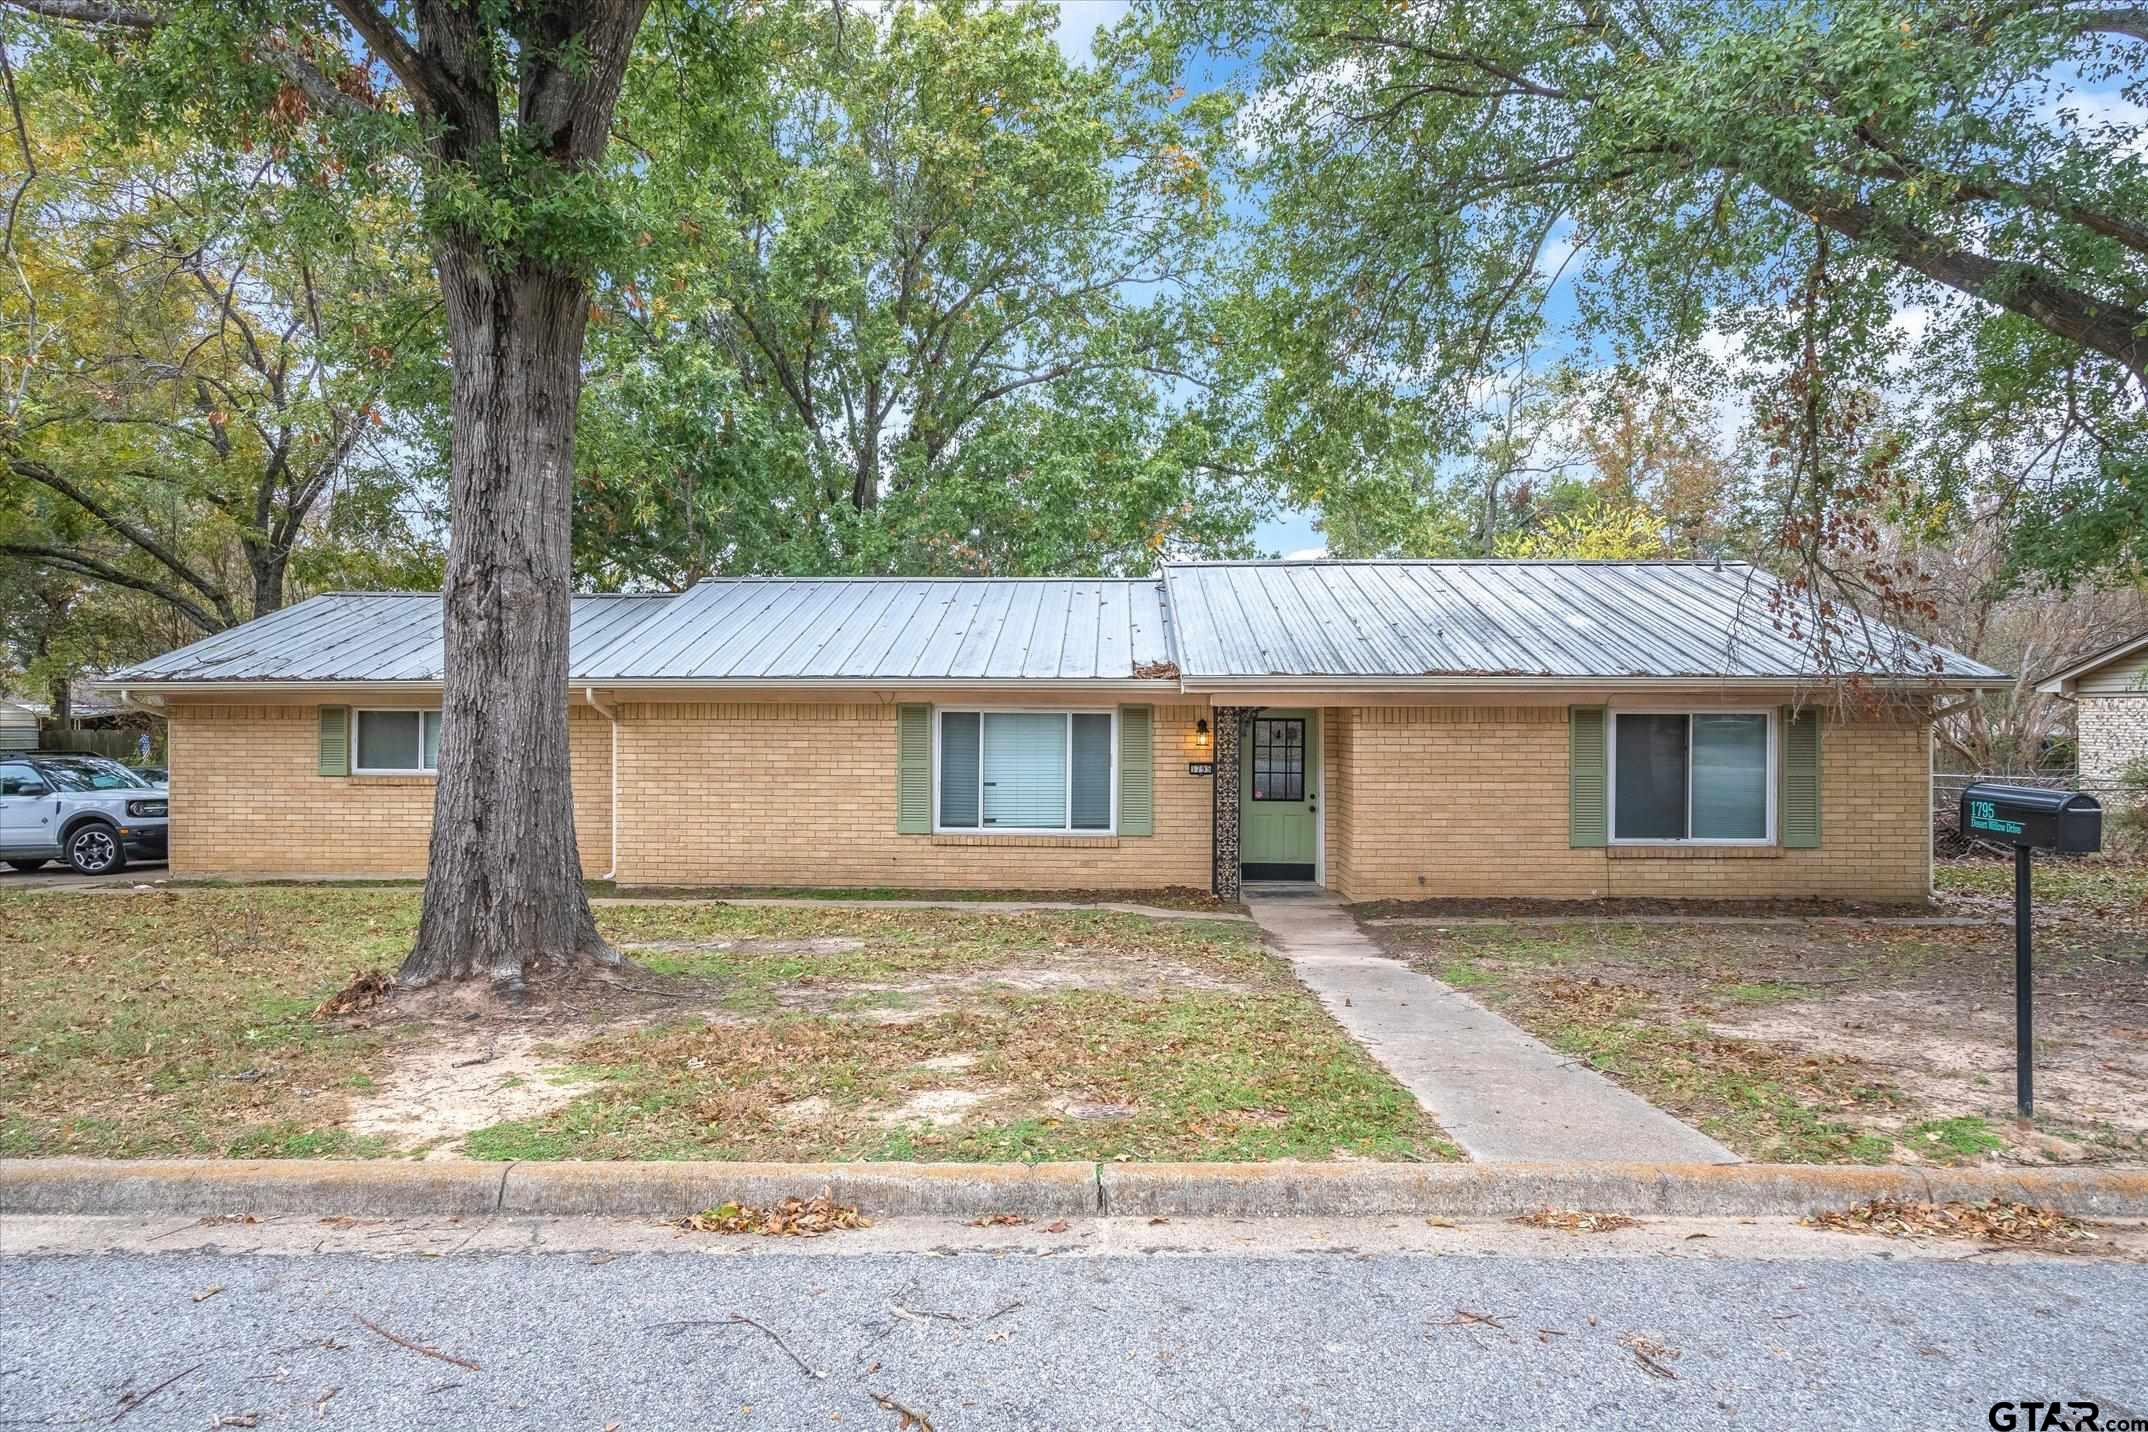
(2029, 818)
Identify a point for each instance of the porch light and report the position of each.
(1200, 734)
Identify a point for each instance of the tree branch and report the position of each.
(82, 565)
(2111, 329)
(44, 476)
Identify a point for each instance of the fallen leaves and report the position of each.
(999, 1220)
(1568, 1220)
(1655, 1358)
(792, 1218)
(363, 992)
(2002, 1221)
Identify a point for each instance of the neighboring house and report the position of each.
(1569, 730)
(2110, 695)
(18, 726)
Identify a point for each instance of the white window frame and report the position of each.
(358, 745)
(1611, 772)
(939, 713)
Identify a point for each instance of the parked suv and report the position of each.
(85, 810)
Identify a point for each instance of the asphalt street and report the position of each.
(1030, 1336)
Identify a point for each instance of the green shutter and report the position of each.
(1137, 771)
(335, 740)
(1587, 805)
(1798, 802)
(913, 770)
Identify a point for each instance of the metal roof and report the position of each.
(357, 636)
(741, 631)
(1205, 625)
(1417, 620)
(896, 630)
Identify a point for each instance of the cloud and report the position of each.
(1306, 554)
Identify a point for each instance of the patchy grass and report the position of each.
(1082, 1075)
(179, 1023)
(138, 1026)
(1829, 1042)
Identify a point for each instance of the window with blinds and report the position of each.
(1699, 776)
(1026, 771)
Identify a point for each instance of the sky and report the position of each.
(1295, 533)
(1291, 533)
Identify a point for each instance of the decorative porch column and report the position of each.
(1228, 722)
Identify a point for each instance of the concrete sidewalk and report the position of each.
(1500, 1093)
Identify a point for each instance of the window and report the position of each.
(1279, 758)
(397, 743)
(1027, 771)
(1700, 775)
(17, 779)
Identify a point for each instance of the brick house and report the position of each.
(2110, 695)
(1568, 730)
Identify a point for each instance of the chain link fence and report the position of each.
(1947, 788)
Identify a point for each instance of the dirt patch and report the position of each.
(435, 1092)
(461, 1060)
(941, 1108)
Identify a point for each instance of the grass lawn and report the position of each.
(1831, 1043)
(2085, 884)
(182, 1023)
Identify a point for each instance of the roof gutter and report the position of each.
(1223, 684)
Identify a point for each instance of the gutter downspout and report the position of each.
(589, 694)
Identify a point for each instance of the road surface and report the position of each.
(1230, 1325)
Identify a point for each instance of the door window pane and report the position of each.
(1025, 770)
(958, 769)
(1651, 791)
(389, 740)
(1279, 759)
(1730, 777)
(1092, 772)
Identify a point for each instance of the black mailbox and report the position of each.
(2033, 817)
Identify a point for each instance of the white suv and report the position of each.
(85, 810)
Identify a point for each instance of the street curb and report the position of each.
(463, 1188)
(887, 1190)
(1503, 1189)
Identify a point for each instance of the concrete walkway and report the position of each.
(1500, 1093)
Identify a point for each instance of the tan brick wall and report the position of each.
(1472, 801)
(804, 794)
(1335, 786)
(247, 798)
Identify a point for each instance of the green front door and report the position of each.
(1279, 795)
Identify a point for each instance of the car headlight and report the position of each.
(147, 808)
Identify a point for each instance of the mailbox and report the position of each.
(2032, 817)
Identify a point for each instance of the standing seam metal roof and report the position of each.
(1202, 622)
(1406, 620)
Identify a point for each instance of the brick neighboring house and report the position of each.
(1569, 730)
(2110, 694)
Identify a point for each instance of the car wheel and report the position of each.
(94, 849)
(26, 866)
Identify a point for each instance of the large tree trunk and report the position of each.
(504, 887)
